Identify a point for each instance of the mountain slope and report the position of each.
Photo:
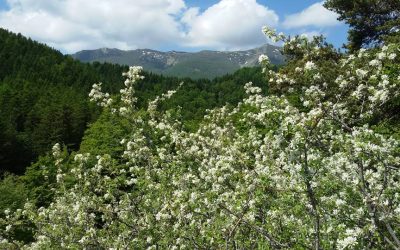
(43, 99)
(203, 64)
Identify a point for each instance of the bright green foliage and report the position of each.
(104, 136)
(39, 179)
(13, 193)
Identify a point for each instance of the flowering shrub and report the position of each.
(268, 173)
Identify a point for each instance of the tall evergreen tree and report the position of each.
(371, 21)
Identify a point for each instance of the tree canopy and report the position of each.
(43, 97)
(371, 21)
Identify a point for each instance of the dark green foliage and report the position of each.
(22, 58)
(43, 99)
(60, 116)
(370, 21)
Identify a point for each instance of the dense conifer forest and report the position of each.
(43, 97)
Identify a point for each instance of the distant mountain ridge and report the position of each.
(203, 64)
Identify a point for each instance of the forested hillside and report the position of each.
(43, 97)
(306, 156)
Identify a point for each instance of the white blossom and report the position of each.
(310, 66)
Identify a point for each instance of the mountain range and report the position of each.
(203, 64)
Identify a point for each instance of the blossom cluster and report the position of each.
(96, 95)
(268, 173)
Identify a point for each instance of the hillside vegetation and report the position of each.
(43, 97)
(306, 156)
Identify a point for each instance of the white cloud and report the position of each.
(190, 15)
(315, 15)
(72, 25)
(229, 24)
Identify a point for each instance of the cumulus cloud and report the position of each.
(315, 15)
(229, 24)
(72, 25)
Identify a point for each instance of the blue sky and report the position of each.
(284, 7)
(188, 25)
